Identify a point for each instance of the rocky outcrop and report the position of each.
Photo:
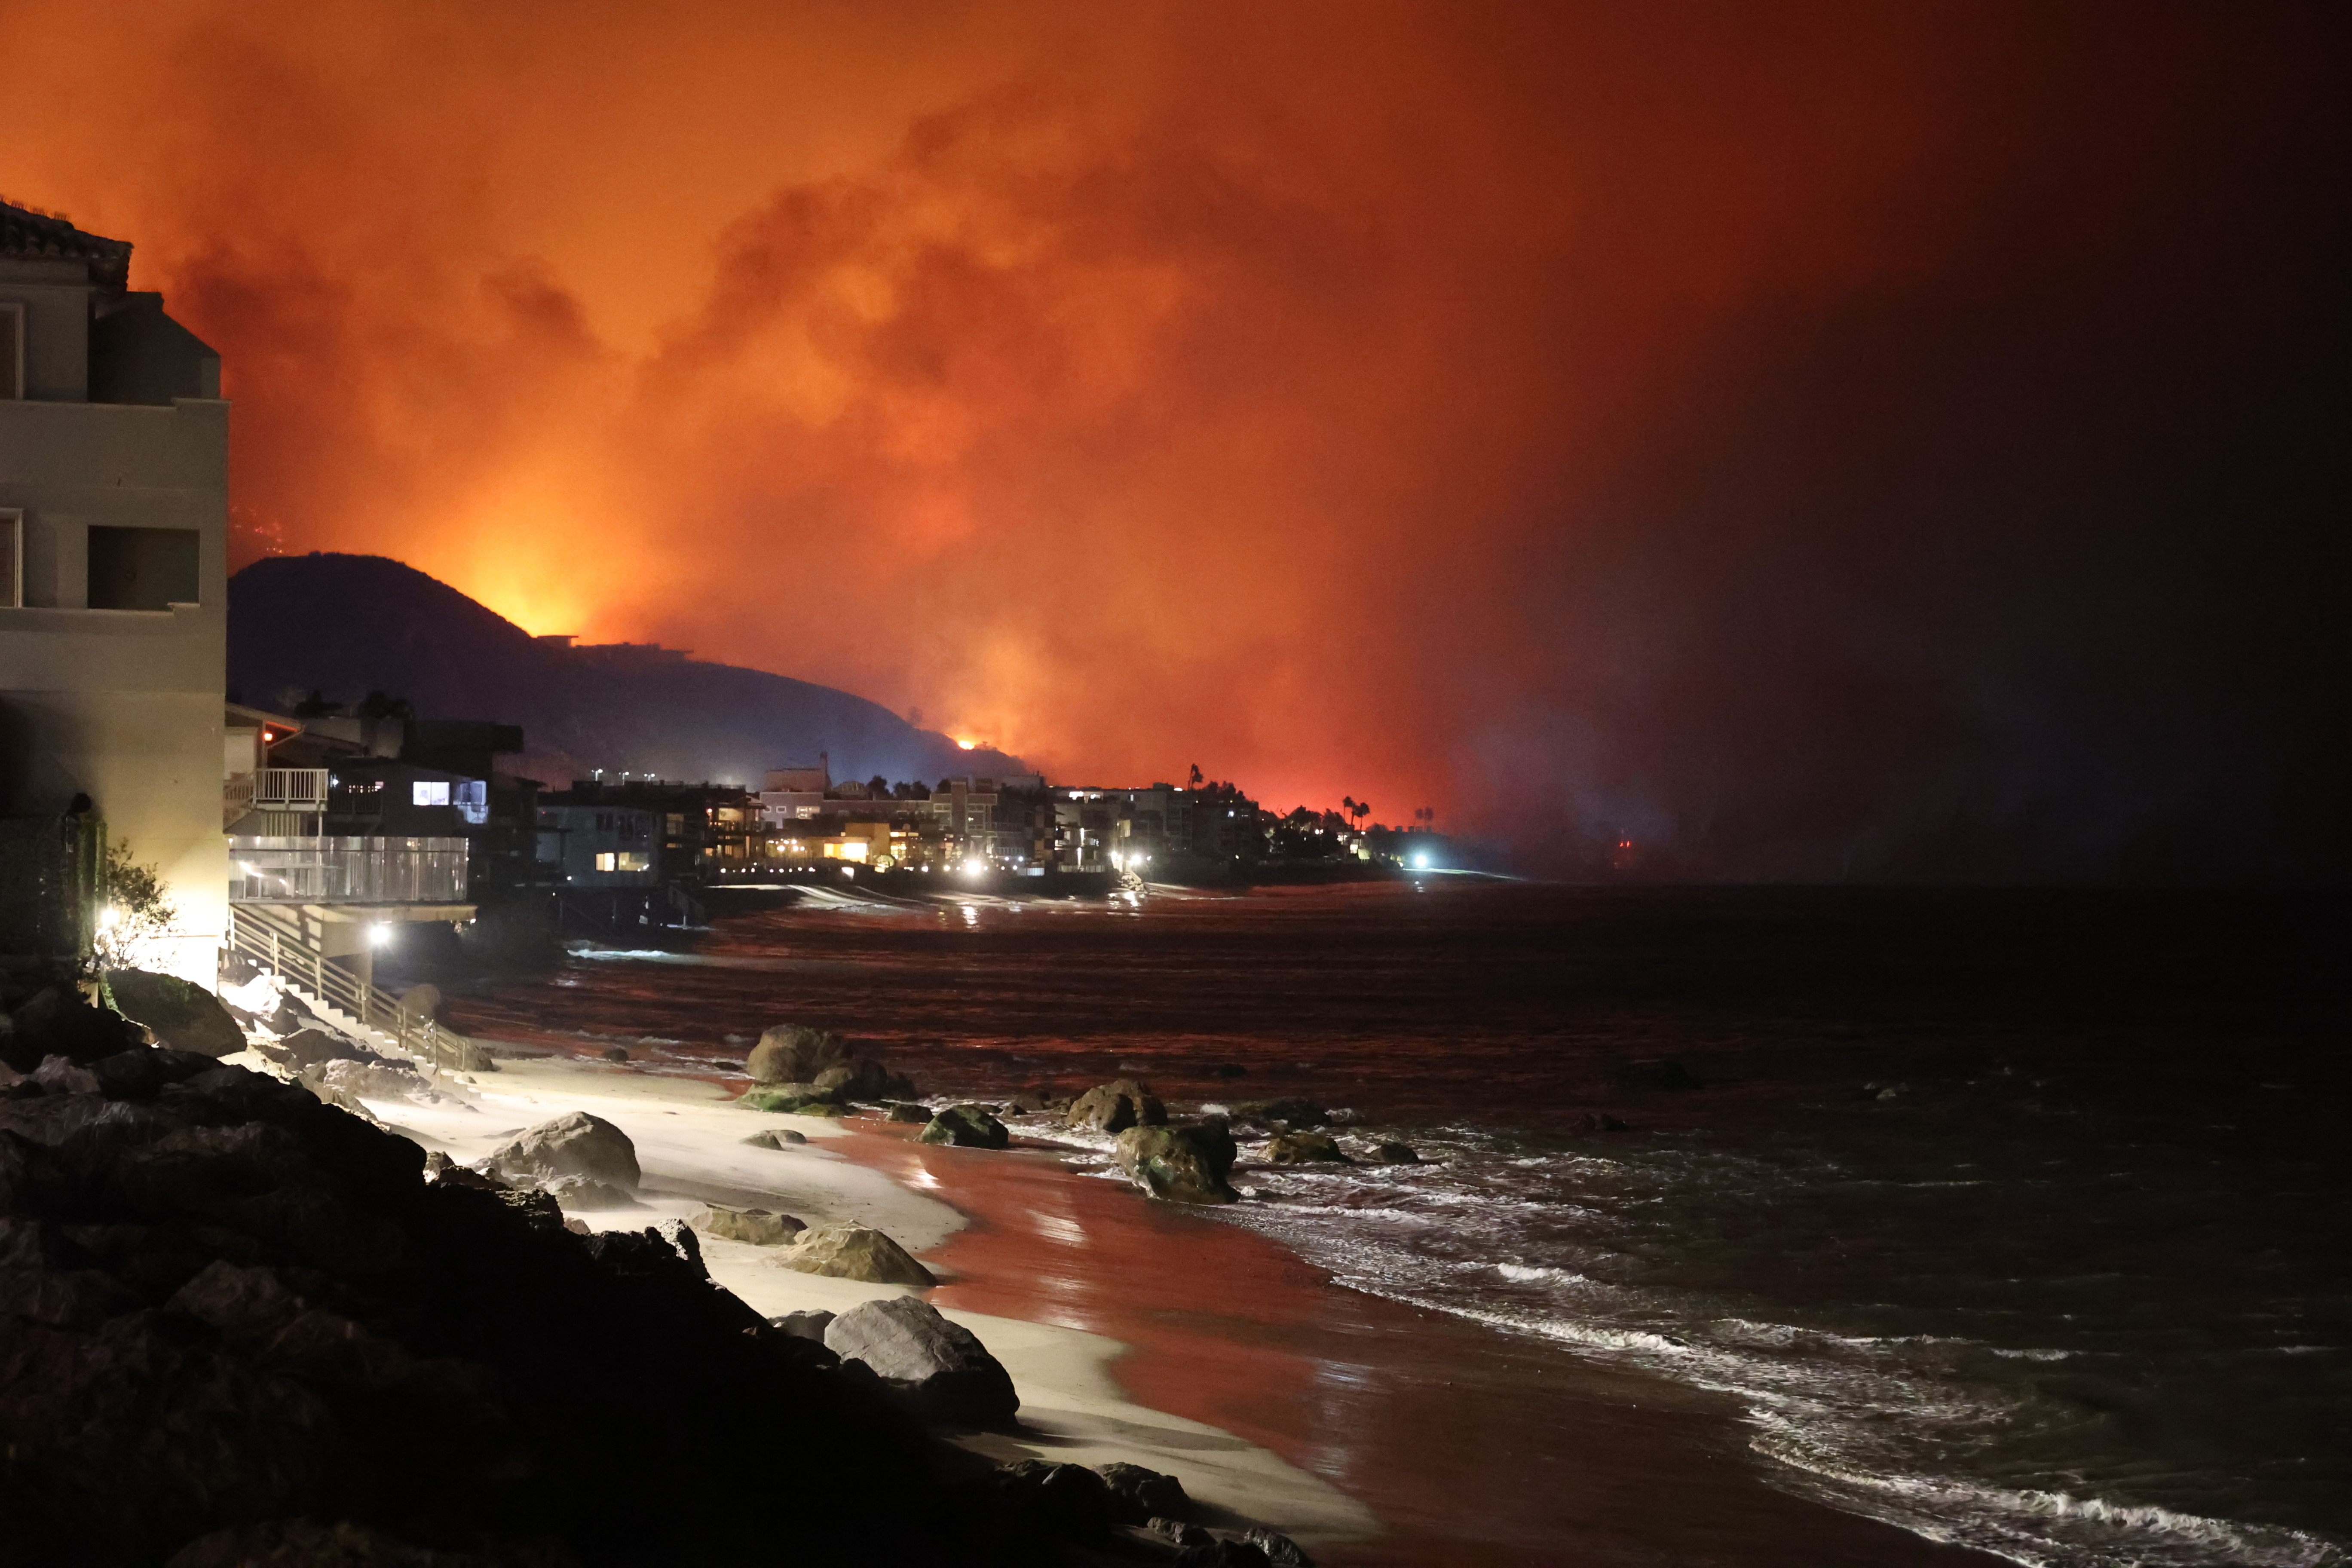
(795, 1054)
(1393, 1153)
(940, 1367)
(761, 1227)
(1304, 1147)
(1181, 1164)
(1115, 1106)
(59, 1023)
(233, 1321)
(776, 1138)
(574, 1147)
(179, 1014)
(967, 1127)
(907, 1111)
(1138, 1496)
(847, 1251)
(1280, 1549)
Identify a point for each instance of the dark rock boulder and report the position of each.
(1183, 1532)
(795, 1054)
(58, 1022)
(227, 1309)
(179, 1014)
(314, 1047)
(1594, 1121)
(1280, 1549)
(1138, 1495)
(1182, 1165)
(1395, 1153)
(1067, 1503)
(967, 1127)
(907, 1111)
(776, 1138)
(1304, 1147)
(576, 1145)
(1115, 1106)
(1223, 1551)
(941, 1367)
(1291, 1110)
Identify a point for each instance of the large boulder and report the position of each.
(847, 1251)
(1116, 1106)
(59, 1023)
(1304, 1149)
(795, 1054)
(943, 1369)
(576, 1145)
(1138, 1495)
(968, 1127)
(1180, 1164)
(761, 1227)
(178, 1013)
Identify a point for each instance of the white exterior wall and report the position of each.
(124, 706)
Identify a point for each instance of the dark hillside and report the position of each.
(346, 624)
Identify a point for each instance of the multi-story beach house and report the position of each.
(113, 604)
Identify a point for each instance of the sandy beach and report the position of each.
(689, 1138)
(1371, 1432)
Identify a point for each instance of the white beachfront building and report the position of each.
(113, 582)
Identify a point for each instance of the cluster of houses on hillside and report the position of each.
(325, 828)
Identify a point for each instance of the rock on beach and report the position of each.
(940, 1367)
(847, 1251)
(1117, 1106)
(967, 1127)
(575, 1146)
(1181, 1164)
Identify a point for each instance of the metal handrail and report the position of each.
(294, 960)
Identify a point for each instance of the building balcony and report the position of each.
(265, 869)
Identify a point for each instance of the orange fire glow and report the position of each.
(1133, 385)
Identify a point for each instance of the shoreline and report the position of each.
(1372, 1432)
(690, 1135)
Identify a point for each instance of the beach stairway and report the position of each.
(285, 947)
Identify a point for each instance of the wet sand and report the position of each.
(1473, 1448)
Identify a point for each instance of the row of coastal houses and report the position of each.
(317, 832)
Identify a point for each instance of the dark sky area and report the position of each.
(1809, 441)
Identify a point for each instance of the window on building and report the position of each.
(429, 792)
(12, 560)
(11, 352)
(143, 568)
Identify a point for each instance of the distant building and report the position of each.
(113, 604)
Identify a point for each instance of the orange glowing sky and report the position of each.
(1127, 386)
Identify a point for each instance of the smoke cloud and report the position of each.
(1828, 442)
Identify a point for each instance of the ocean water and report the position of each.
(2018, 1219)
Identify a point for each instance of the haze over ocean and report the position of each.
(2010, 1217)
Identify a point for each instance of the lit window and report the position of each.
(608, 861)
(428, 792)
